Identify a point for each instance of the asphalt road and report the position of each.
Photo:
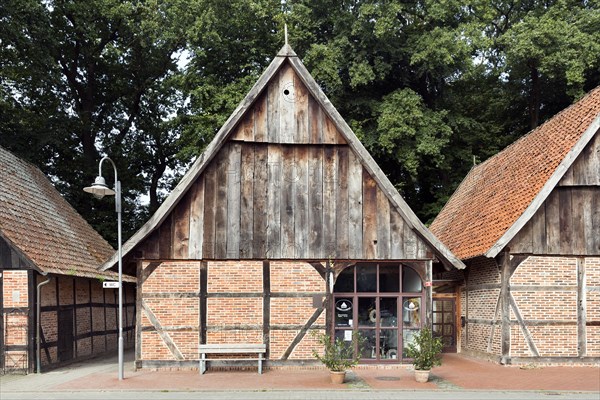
(302, 395)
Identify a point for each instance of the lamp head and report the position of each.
(99, 188)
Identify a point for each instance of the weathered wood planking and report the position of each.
(222, 161)
(210, 199)
(538, 231)
(165, 239)
(565, 224)
(301, 202)
(261, 201)
(565, 220)
(287, 104)
(286, 113)
(247, 202)
(151, 247)
(274, 202)
(287, 202)
(342, 245)
(273, 124)
(260, 186)
(585, 171)
(301, 134)
(383, 226)
(233, 198)
(196, 219)
(315, 121)
(355, 207)
(315, 202)
(593, 238)
(552, 223)
(396, 235)
(181, 228)
(578, 208)
(369, 232)
(330, 197)
(260, 118)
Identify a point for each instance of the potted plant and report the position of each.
(338, 355)
(426, 352)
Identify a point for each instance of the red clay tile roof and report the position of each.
(42, 225)
(496, 193)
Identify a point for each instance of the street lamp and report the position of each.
(99, 190)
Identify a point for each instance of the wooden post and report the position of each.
(428, 293)
(203, 300)
(328, 296)
(266, 306)
(581, 309)
(138, 316)
(503, 262)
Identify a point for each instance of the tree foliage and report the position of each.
(429, 86)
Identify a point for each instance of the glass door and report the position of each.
(373, 301)
(444, 325)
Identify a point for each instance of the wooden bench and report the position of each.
(239, 348)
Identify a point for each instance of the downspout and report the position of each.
(39, 323)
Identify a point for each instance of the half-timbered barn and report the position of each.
(526, 223)
(284, 226)
(49, 278)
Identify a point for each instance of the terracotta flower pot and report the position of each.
(421, 376)
(337, 377)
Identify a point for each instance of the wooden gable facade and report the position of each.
(285, 185)
(568, 222)
(247, 248)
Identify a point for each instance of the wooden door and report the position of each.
(444, 322)
(65, 335)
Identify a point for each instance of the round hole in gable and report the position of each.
(288, 92)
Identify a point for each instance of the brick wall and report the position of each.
(71, 294)
(478, 303)
(15, 296)
(592, 271)
(545, 293)
(293, 312)
(170, 294)
(235, 305)
(95, 316)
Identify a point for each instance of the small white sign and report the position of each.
(348, 336)
(110, 285)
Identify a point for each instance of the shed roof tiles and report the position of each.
(43, 226)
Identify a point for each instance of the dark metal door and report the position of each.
(444, 322)
(65, 335)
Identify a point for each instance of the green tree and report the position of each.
(82, 78)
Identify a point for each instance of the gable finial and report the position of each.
(285, 33)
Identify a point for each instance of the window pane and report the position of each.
(407, 337)
(343, 312)
(345, 281)
(411, 312)
(369, 349)
(388, 311)
(367, 313)
(366, 278)
(411, 281)
(388, 340)
(389, 278)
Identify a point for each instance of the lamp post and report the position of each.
(99, 190)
